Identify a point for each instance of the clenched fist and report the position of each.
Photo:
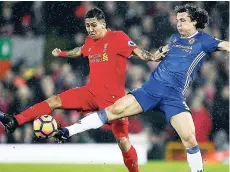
(56, 52)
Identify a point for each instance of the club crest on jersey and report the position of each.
(105, 57)
(191, 41)
(105, 47)
(131, 44)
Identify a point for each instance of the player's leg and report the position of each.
(97, 119)
(124, 107)
(129, 105)
(44, 107)
(120, 132)
(79, 99)
(178, 114)
(184, 126)
(11, 122)
(68, 99)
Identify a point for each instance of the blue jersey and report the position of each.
(168, 83)
(184, 59)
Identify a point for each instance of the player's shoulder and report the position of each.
(119, 33)
(88, 39)
(204, 35)
(174, 36)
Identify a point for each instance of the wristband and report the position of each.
(62, 54)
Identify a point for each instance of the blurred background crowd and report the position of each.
(36, 28)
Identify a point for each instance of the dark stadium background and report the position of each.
(31, 30)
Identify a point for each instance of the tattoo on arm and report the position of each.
(147, 55)
(76, 52)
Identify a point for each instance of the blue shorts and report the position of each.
(154, 94)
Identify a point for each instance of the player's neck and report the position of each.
(189, 34)
(103, 33)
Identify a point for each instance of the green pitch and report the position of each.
(150, 167)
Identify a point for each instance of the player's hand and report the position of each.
(163, 51)
(56, 52)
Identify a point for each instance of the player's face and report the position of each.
(184, 24)
(95, 28)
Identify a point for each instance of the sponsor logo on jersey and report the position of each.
(105, 57)
(95, 58)
(185, 48)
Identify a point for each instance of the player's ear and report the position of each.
(194, 23)
(104, 25)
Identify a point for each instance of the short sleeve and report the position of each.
(209, 43)
(85, 47)
(125, 45)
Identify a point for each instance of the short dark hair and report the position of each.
(196, 13)
(95, 13)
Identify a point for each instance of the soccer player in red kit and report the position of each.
(107, 52)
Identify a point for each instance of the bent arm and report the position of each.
(145, 55)
(76, 52)
(224, 46)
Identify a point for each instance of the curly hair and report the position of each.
(196, 13)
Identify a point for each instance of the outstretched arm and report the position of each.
(76, 52)
(145, 55)
(224, 46)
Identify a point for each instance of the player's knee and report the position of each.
(123, 143)
(189, 139)
(117, 108)
(54, 102)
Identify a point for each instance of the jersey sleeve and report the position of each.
(125, 45)
(85, 48)
(209, 43)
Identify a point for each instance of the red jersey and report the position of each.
(107, 60)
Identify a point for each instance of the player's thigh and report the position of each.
(119, 127)
(140, 100)
(124, 107)
(178, 114)
(184, 125)
(77, 98)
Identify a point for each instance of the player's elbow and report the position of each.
(227, 46)
(224, 46)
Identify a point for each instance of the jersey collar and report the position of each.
(105, 37)
(191, 35)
